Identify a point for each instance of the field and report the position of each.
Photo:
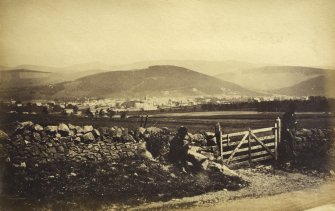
(195, 121)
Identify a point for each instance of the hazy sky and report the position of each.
(60, 33)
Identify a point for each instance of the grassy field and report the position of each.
(195, 123)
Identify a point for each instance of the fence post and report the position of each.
(218, 136)
(145, 122)
(277, 136)
(141, 121)
(249, 146)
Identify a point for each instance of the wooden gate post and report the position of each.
(249, 146)
(218, 136)
(277, 136)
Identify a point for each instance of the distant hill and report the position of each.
(22, 77)
(27, 77)
(317, 86)
(152, 81)
(271, 77)
(76, 71)
(159, 81)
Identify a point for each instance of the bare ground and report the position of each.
(270, 189)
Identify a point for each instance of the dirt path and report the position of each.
(270, 189)
(296, 200)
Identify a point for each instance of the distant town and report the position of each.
(123, 108)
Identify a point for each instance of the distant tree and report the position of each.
(123, 115)
(75, 109)
(88, 112)
(111, 113)
(45, 110)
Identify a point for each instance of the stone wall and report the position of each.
(31, 144)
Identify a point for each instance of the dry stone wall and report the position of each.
(31, 144)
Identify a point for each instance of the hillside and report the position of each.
(73, 72)
(317, 86)
(159, 81)
(152, 81)
(271, 77)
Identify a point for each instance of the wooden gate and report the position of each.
(248, 146)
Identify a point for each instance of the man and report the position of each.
(179, 147)
(289, 127)
(181, 152)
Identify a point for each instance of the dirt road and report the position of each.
(296, 200)
(270, 189)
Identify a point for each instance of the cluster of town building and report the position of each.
(114, 107)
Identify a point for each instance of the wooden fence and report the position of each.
(248, 146)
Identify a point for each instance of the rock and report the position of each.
(23, 165)
(321, 134)
(27, 124)
(199, 139)
(88, 128)
(118, 133)
(88, 137)
(104, 131)
(77, 139)
(61, 149)
(200, 159)
(209, 135)
(72, 127)
(96, 133)
(143, 153)
(37, 127)
(63, 129)
(166, 130)
(3, 149)
(128, 138)
(223, 169)
(3, 136)
(140, 130)
(79, 129)
(51, 129)
(52, 150)
(36, 136)
(153, 130)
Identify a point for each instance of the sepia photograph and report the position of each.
(167, 105)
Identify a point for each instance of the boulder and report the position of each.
(72, 127)
(198, 159)
(79, 129)
(222, 169)
(36, 136)
(142, 152)
(118, 133)
(209, 135)
(88, 128)
(153, 130)
(23, 125)
(51, 129)
(88, 137)
(37, 127)
(63, 129)
(199, 139)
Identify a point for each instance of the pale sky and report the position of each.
(61, 33)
